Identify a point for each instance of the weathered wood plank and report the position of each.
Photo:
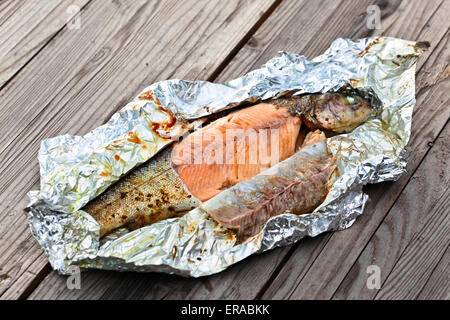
(20, 283)
(26, 26)
(83, 76)
(410, 213)
(437, 286)
(336, 259)
(417, 262)
(291, 28)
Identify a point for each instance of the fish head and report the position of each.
(336, 112)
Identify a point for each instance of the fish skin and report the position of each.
(338, 112)
(150, 193)
(296, 185)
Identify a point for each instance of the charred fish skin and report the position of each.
(150, 193)
(296, 185)
(338, 112)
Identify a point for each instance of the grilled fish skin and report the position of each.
(296, 185)
(150, 193)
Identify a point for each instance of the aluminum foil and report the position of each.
(76, 169)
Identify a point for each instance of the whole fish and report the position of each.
(148, 194)
(209, 160)
(296, 185)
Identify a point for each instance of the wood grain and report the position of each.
(26, 27)
(409, 213)
(427, 247)
(83, 76)
(437, 286)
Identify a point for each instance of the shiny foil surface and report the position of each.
(76, 169)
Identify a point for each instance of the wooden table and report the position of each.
(58, 78)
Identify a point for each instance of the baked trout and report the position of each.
(148, 194)
(224, 153)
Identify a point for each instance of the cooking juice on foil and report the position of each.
(192, 177)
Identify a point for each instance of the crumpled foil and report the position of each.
(76, 169)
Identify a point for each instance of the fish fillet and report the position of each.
(297, 185)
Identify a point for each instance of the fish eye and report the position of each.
(350, 99)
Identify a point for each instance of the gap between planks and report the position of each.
(51, 37)
(438, 283)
